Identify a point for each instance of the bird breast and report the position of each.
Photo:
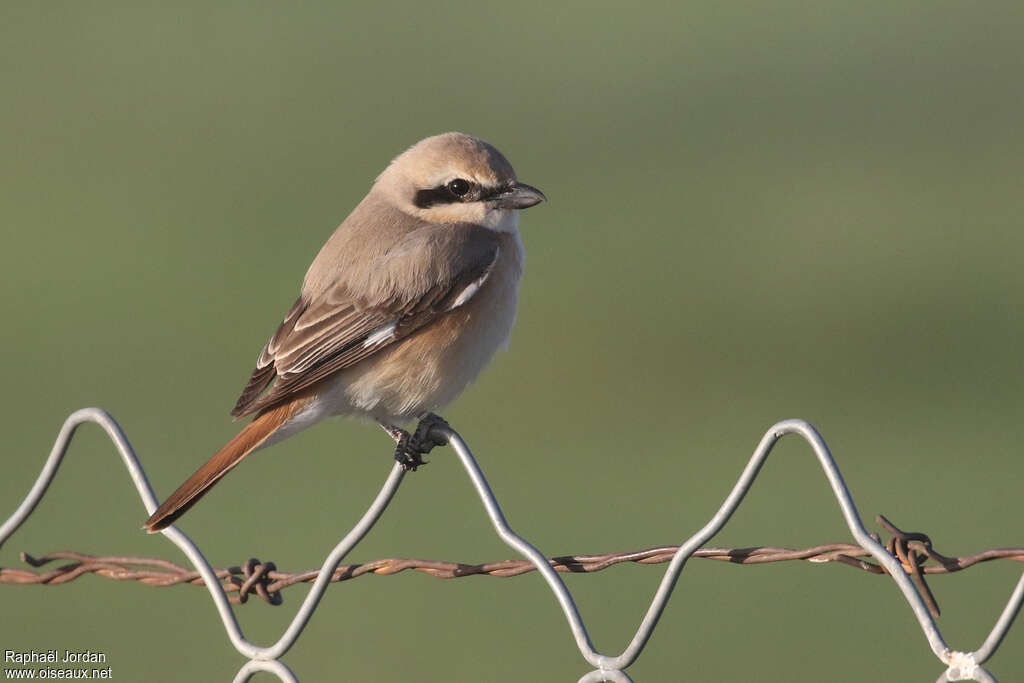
(431, 367)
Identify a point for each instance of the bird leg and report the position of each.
(410, 448)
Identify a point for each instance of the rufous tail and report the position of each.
(223, 461)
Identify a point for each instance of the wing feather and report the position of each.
(337, 329)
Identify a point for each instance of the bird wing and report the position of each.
(335, 330)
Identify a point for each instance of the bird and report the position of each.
(400, 310)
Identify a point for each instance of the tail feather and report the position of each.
(245, 442)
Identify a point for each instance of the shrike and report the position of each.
(401, 309)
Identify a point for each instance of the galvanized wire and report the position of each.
(959, 665)
(272, 666)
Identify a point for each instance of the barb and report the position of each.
(913, 550)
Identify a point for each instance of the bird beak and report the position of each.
(519, 196)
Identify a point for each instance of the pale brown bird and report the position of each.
(398, 313)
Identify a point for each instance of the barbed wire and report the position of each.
(913, 550)
(907, 558)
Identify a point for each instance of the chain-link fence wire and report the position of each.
(903, 560)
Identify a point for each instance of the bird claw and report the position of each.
(406, 455)
(410, 448)
(423, 435)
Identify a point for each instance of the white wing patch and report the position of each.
(380, 335)
(474, 286)
(386, 333)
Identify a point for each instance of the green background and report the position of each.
(757, 211)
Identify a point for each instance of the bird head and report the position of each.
(457, 178)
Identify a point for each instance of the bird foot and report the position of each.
(410, 448)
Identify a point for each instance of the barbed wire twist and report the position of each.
(903, 560)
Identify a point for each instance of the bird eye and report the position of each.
(458, 187)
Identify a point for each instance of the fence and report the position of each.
(903, 561)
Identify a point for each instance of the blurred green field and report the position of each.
(757, 211)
